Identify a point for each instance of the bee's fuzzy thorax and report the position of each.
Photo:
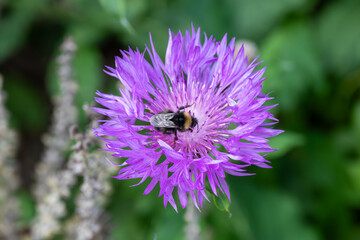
(188, 121)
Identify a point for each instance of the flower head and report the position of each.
(204, 81)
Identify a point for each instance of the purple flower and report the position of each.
(217, 88)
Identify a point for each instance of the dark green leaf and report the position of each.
(293, 66)
(285, 142)
(88, 74)
(270, 214)
(26, 104)
(253, 18)
(27, 208)
(339, 34)
(116, 7)
(13, 30)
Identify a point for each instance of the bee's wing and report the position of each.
(163, 120)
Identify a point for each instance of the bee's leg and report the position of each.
(190, 129)
(176, 137)
(183, 107)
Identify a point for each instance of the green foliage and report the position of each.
(116, 7)
(27, 105)
(338, 34)
(27, 208)
(14, 27)
(356, 121)
(285, 142)
(293, 71)
(88, 75)
(254, 18)
(270, 214)
(169, 226)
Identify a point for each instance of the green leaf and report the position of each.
(339, 34)
(134, 8)
(169, 225)
(87, 72)
(269, 213)
(253, 18)
(135, 216)
(317, 174)
(119, 9)
(356, 121)
(27, 207)
(285, 142)
(116, 7)
(85, 34)
(15, 26)
(26, 104)
(293, 67)
(13, 31)
(354, 174)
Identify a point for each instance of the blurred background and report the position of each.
(312, 52)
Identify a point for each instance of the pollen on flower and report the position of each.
(203, 107)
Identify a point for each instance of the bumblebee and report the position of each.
(169, 122)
